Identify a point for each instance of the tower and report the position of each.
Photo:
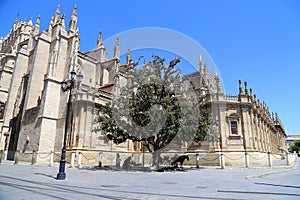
(46, 59)
(14, 63)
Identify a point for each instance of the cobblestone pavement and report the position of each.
(38, 182)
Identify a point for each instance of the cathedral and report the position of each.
(34, 62)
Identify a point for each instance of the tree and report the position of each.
(157, 108)
(295, 146)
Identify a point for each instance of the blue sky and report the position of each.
(257, 41)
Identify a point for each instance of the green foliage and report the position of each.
(157, 108)
(167, 109)
(295, 146)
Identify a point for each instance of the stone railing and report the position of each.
(231, 98)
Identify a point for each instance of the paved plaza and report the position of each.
(30, 182)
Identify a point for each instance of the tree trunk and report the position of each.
(156, 159)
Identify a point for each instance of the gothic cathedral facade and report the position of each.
(33, 63)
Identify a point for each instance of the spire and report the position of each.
(51, 26)
(99, 40)
(128, 57)
(36, 28)
(200, 61)
(246, 88)
(16, 23)
(30, 22)
(240, 87)
(73, 20)
(204, 68)
(263, 105)
(216, 76)
(57, 14)
(200, 64)
(35, 31)
(38, 20)
(276, 118)
(117, 48)
(75, 10)
(62, 21)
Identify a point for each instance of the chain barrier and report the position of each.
(93, 157)
(209, 160)
(192, 157)
(43, 157)
(57, 153)
(25, 155)
(111, 157)
(234, 158)
(257, 158)
(276, 157)
(84, 156)
(96, 157)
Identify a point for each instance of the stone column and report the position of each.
(33, 159)
(79, 159)
(51, 159)
(100, 159)
(222, 161)
(73, 158)
(270, 159)
(247, 159)
(287, 159)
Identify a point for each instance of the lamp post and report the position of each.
(65, 86)
(143, 154)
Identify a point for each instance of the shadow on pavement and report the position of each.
(42, 174)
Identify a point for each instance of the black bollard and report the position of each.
(1, 156)
(33, 159)
(16, 157)
(197, 160)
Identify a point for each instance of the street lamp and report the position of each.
(65, 86)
